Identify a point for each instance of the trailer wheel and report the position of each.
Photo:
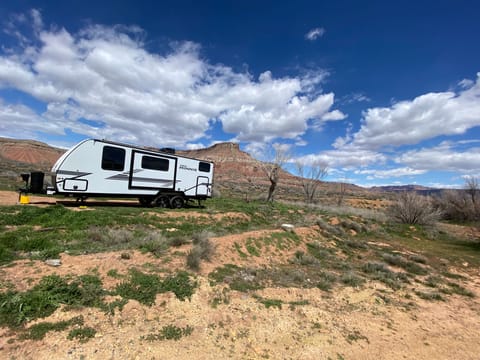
(177, 202)
(162, 202)
(145, 201)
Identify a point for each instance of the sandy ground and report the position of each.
(346, 323)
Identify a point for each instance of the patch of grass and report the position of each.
(418, 258)
(239, 250)
(460, 290)
(170, 332)
(432, 281)
(43, 299)
(180, 284)
(145, 287)
(318, 251)
(38, 331)
(380, 271)
(223, 274)
(330, 229)
(355, 336)
(301, 258)
(82, 334)
(251, 247)
(270, 302)
(113, 273)
(432, 295)
(326, 280)
(351, 279)
(400, 261)
(244, 285)
(220, 297)
(355, 244)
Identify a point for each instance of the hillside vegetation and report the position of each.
(113, 279)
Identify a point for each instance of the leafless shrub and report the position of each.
(331, 229)
(203, 249)
(412, 208)
(457, 205)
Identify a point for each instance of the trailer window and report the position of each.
(154, 163)
(204, 166)
(113, 158)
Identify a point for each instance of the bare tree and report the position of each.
(311, 178)
(472, 188)
(273, 168)
(342, 190)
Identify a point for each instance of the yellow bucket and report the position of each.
(24, 199)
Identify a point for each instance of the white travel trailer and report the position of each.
(95, 168)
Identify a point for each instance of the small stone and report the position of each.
(53, 262)
(288, 227)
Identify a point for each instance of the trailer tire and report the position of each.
(145, 201)
(162, 201)
(177, 202)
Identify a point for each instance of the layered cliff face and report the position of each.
(230, 162)
(29, 152)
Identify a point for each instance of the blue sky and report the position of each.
(381, 92)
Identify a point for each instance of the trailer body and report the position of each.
(95, 168)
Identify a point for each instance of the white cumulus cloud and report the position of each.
(315, 33)
(425, 117)
(106, 76)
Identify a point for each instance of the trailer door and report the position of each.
(152, 171)
(202, 185)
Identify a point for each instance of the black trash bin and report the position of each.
(36, 182)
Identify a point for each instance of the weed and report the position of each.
(251, 247)
(326, 280)
(400, 261)
(460, 290)
(355, 336)
(418, 258)
(180, 284)
(293, 304)
(269, 302)
(203, 249)
(223, 274)
(114, 274)
(145, 287)
(38, 331)
(220, 297)
(330, 229)
(44, 298)
(317, 251)
(429, 295)
(380, 271)
(82, 334)
(194, 258)
(432, 281)
(239, 251)
(178, 241)
(170, 332)
(355, 244)
(303, 259)
(351, 279)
